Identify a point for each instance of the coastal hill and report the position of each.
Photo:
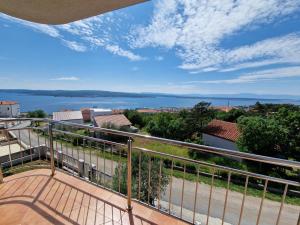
(101, 93)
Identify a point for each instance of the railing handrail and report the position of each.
(224, 168)
(203, 148)
(219, 151)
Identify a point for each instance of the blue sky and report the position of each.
(168, 46)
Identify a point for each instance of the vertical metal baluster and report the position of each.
(62, 153)
(129, 174)
(83, 146)
(149, 179)
(120, 167)
(196, 192)
(77, 148)
(73, 160)
(67, 149)
(140, 168)
(262, 201)
(83, 152)
(22, 153)
(90, 146)
(104, 165)
(9, 148)
(243, 201)
(210, 195)
(170, 194)
(99, 173)
(159, 183)
(56, 153)
(38, 140)
(182, 193)
(51, 149)
(1, 174)
(281, 205)
(111, 163)
(29, 137)
(226, 197)
(46, 146)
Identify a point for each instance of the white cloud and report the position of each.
(46, 29)
(94, 32)
(263, 75)
(78, 47)
(66, 78)
(117, 50)
(195, 29)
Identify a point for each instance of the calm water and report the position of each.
(51, 104)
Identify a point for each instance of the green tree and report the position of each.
(232, 115)
(146, 190)
(37, 114)
(200, 115)
(264, 136)
(136, 118)
(167, 125)
(290, 119)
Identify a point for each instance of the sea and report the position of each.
(52, 104)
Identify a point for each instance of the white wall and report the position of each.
(219, 142)
(100, 113)
(10, 110)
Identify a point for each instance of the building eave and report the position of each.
(60, 11)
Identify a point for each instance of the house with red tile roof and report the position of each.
(9, 109)
(221, 134)
(118, 120)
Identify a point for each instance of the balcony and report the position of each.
(36, 197)
(54, 174)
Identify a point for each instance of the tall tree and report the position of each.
(200, 116)
(264, 136)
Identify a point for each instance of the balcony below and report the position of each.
(34, 197)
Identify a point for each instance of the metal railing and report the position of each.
(191, 190)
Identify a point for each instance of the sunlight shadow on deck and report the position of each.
(34, 197)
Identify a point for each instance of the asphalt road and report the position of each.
(269, 214)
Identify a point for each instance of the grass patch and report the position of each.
(161, 147)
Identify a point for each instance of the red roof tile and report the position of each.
(116, 119)
(148, 111)
(8, 103)
(223, 129)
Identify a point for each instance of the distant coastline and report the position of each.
(53, 101)
(100, 93)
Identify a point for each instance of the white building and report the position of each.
(9, 109)
(68, 116)
(221, 134)
(100, 112)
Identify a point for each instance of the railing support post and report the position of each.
(92, 173)
(81, 167)
(51, 149)
(59, 159)
(129, 175)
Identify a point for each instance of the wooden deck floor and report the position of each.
(34, 197)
